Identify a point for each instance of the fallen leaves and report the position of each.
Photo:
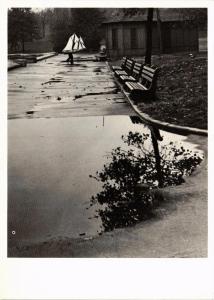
(181, 92)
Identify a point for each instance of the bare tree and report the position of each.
(45, 17)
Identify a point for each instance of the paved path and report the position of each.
(11, 65)
(53, 88)
(55, 153)
(62, 121)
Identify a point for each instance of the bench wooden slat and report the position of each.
(124, 78)
(137, 87)
(120, 72)
(127, 68)
(148, 73)
(145, 88)
(140, 80)
(151, 70)
(144, 76)
(129, 65)
(134, 73)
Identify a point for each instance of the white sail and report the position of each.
(74, 44)
(82, 45)
(70, 44)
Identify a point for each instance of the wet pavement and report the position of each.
(55, 144)
(53, 88)
(50, 161)
(51, 157)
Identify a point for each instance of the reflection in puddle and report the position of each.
(49, 163)
(132, 175)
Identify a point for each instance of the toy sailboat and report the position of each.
(74, 44)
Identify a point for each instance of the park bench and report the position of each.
(146, 87)
(127, 68)
(121, 67)
(136, 73)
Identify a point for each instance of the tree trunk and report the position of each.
(43, 28)
(159, 31)
(23, 45)
(148, 56)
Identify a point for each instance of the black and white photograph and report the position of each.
(107, 139)
(107, 132)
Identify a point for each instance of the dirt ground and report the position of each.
(181, 90)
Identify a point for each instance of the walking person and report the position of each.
(70, 58)
(74, 44)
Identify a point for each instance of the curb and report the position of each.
(15, 66)
(183, 130)
(46, 56)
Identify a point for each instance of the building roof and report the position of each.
(140, 15)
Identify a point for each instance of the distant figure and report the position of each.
(70, 58)
(103, 49)
(102, 56)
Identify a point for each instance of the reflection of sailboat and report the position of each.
(74, 44)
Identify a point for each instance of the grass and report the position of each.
(181, 90)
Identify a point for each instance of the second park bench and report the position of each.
(146, 87)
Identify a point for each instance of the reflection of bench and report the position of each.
(135, 75)
(128, 67)
(146, 87)
(114, 68)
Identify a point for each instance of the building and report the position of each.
(127, 35)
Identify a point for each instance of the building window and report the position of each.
(114, 38)
(133, 35)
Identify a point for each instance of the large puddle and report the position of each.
(49, 163)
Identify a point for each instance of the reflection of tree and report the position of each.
(124, 203)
